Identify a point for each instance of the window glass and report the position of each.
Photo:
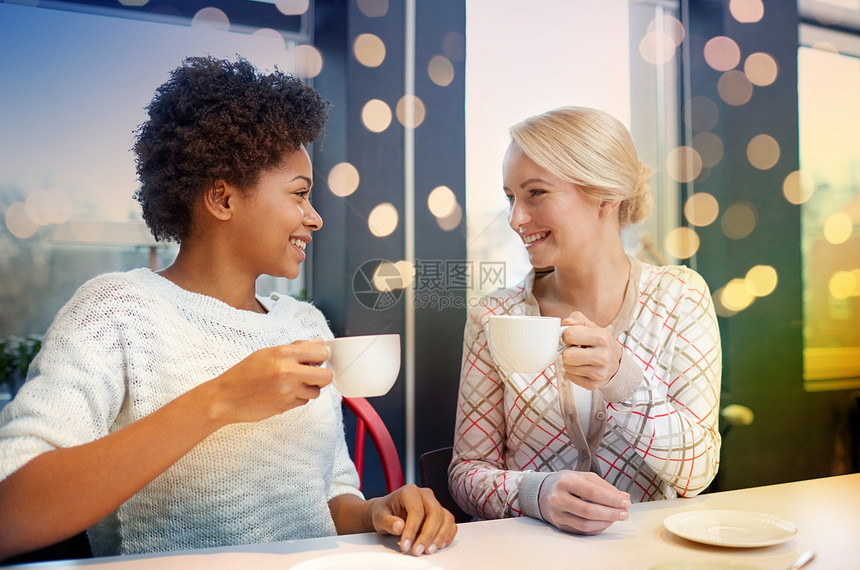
(80, 79)
(828, 187)
(610, 50)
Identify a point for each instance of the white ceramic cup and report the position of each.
(364, 366)
(524, 344)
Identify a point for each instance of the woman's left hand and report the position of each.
(593, 355)
(414, 514)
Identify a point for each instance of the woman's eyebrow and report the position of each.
(533, 181)
(305, 178)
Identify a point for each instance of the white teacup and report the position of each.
(524, 344)
(364, 366)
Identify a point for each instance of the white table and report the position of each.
(826, 512)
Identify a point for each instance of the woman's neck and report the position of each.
(206, 273)
(594, 289)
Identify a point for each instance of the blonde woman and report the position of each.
(628, 412)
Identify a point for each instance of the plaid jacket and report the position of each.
(653, 429)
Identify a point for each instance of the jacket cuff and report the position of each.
(622, 386)
(529, 490)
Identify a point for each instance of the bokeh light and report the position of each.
(343, 179)
(763, 151)
(704, 113)
(376, 115)
(761, 280)
(418, 112)
(441, 70)
(18, 222)
(798, 187)
(838, 228)
(307, 61)
(454, 46)
(373, 8)
(442, 202)
(722, 53)
(761, 69)
(681, 243)
(710, 148)
(701, 209)
(746, 11)
(683, 164)
(383, 219)
(734, 88)
(369, 50)
(669, 25)
(657, 48)
(212, 18)
(739, 220)
(46, 207)
(843, 284)
(825, 46)
(292, 7)
(388, 277)
(452, 220)
(735, 296)
(720, 309)
(272, 39)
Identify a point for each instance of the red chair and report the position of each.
(367, 419)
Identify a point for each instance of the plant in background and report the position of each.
(16, 353)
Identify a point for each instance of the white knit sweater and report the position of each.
(128, 343)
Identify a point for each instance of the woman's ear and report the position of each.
(608, 207)
(217, 200)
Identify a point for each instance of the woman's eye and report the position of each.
(536, 192)
(509, 198)
(303, 194)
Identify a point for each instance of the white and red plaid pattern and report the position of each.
(658, 440)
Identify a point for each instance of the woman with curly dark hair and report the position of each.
(178, 409)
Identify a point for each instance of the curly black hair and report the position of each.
(217, 120)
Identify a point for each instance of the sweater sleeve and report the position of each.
(74, 387)
(670, 418)
(477, 476)
(345, 477)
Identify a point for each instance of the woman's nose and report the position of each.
(518, 215)
(312, 219)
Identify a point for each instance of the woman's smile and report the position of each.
(300, 243)
(535, 237)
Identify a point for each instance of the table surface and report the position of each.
(825, 511)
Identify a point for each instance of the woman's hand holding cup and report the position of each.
(528, 344)
(270, 381)
(592, 356)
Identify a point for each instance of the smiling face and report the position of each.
(275, 218)
(557, 222)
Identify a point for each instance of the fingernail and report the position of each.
(623, 515)
(406, 545)
(419, 550)
(431, 549)
(625, 503)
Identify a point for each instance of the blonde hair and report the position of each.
(593, 150)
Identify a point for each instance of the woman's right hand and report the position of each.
(270, 381)
(581, 502)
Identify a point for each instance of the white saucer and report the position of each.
(739, 529)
